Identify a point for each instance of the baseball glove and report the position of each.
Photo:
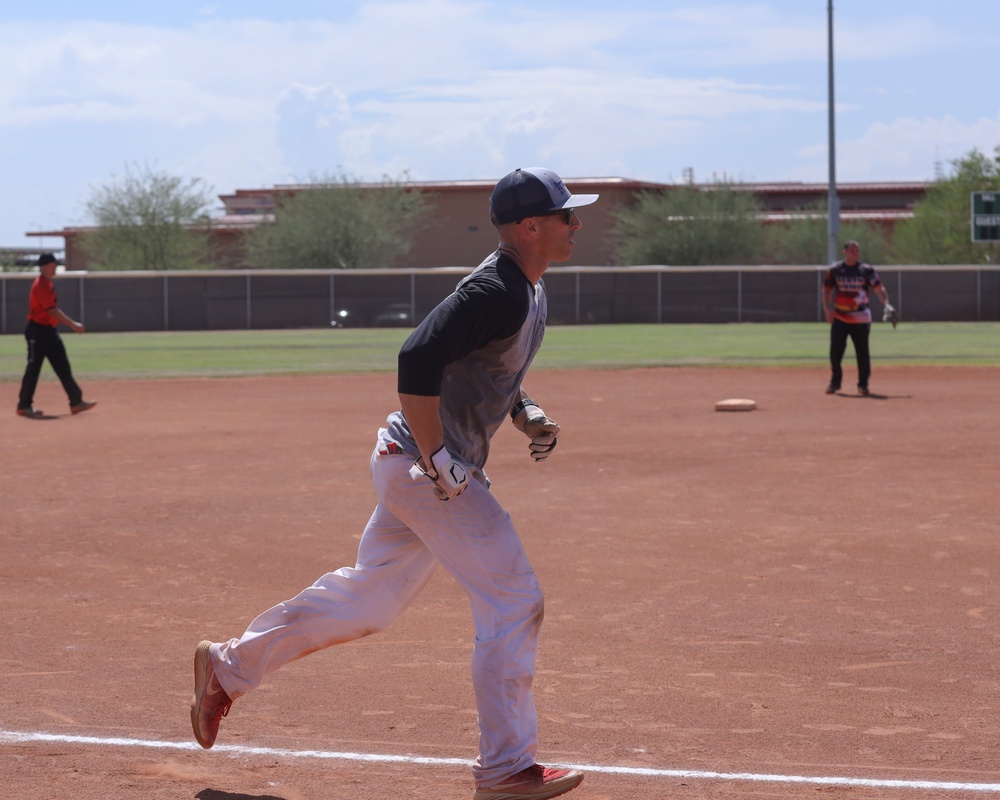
(889, 314)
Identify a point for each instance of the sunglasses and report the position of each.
(568, 215)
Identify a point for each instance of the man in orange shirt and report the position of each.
(44, 316)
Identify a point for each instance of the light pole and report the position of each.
(832, 203)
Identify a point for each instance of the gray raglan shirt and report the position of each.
(473, 350)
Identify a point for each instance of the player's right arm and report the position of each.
(480, 311)
(423, 416)
(449, 332)
(828, 303)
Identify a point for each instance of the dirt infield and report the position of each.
(808, 590)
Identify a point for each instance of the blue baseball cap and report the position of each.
(530, 192)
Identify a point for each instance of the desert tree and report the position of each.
(690, 226)
(338, 222)
(800, 237)
(148, 220)
(940, 231)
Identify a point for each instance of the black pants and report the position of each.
(858, 333)
(44, 342)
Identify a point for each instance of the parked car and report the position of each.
(395, 315)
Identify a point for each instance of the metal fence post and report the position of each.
(979, 294)
(819, 297)
(333, 301)
(576, 297)
(739, 295)
(659, 296)
(413, 296)
(899, 301)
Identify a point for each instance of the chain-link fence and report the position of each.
(174, 301)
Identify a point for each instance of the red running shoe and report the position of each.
(210, 703)
(534, 783)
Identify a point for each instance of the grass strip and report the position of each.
(236, 353)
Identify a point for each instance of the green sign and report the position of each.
(986, 216)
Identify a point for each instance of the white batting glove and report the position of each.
(532, 422)
(448, 476)
(542, 446)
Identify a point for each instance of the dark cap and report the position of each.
(529, 192)
(46, 258)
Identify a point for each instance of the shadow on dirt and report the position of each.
(874, 396)
(216, 794)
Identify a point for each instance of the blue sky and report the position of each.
(250, 94)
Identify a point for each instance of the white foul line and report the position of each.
(20, 737)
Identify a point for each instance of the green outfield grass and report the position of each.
(231, 353)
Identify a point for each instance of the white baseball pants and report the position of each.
(409, 533)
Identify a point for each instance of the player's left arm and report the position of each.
(889, 313)
(529, 418)
(57, 313)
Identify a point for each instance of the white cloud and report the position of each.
(907, 148)
(448, 89)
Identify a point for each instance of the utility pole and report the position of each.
(832, 202)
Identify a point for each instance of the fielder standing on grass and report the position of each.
(459, 378)
(845, 303)
(44, 342)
